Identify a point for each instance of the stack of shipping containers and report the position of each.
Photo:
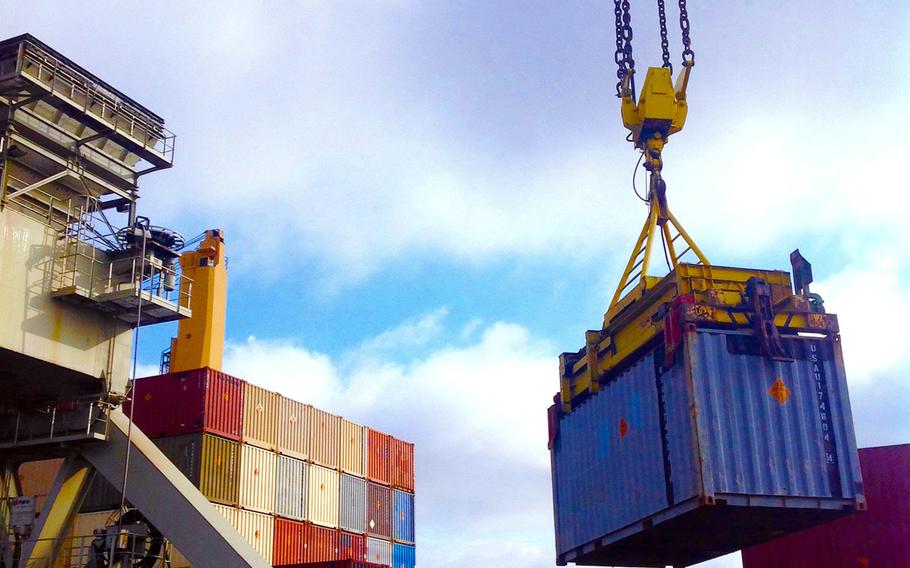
(300, 484)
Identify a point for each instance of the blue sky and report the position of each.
(426, 202)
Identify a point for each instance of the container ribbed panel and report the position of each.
(257, 479)
(352, 507)
(291, 488)
(351, 442)
(323, 432)
(293, 439)
(260, 417)
(322, 496)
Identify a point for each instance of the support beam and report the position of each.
(167, 498)
(39, 184)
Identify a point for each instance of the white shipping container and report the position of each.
(257, 479)
(351, 451)
(292, 428)
(322, 496)
(352, 513)
(291, 488)
(256, 528)
(379, 551)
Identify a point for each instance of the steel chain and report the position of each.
(664, 42)
(623, 56)
(688, 56)
(618, 56)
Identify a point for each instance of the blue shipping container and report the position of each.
(724, 449)
(404, 556)
(402, 516)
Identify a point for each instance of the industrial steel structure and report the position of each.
(80, 269)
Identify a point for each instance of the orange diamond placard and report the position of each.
(779, 391)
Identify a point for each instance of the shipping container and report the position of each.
(258, 529)
(293, 439)
(257, 479)
(403, 556)
(402, 464)
(324, 430)
(379, 551)
(402, 516)
(352, 515)
(351, 546)
(291, 488)
(379, 455)
(288, 545)
(101, 496)
(723, 449)
(36, 479)
(260, 417)
(337, 564)
(211, 463)
(351, 454)
(880, 536)
(379, 510)
(319, 544)
(201, 400)
(322, 496)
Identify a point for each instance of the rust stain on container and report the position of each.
(323, 434)
(260, 417)
(292, 428)
(257, 479)
(322, 496)
(352, 448)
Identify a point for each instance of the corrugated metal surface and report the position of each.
(257, 479)
(338, 564)
(403, 556)
(260, 417)
(351, 457)
(101, 496)
(379, 455)
(352, 515)
(379, 551)
(258, 529)
(716, 426)
(379, 510)
(322, 496)
(288, 545)
(291, 488)
(351, 546)
(292, 428)
(403, 516)
(188, 402)
(324, 430)
(402, 464)
(211, 463)
(319, 544)
(878, 537)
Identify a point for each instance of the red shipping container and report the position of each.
(402, 466)
(319, 543)
(878, 537)
(201, 400)
(379, 511)
(351, 546)
(288, 546)
(378, 457)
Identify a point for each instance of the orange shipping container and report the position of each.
(256, 528)
(402, 466)
(288, 546)
(257, 479)
(319, 544)
(378, 453)
(292, 428)
(323, 435)
(351, 455)
(37, 477)
(322, 496)
(260, 417)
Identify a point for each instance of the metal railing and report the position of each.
(77, 551)
(68, 421)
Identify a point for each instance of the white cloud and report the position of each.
(476, 415)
